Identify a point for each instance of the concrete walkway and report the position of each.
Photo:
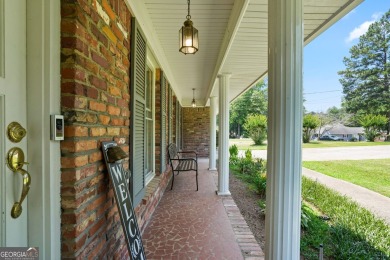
(378, 204)
(336, 153)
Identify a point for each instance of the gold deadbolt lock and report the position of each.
(15, 132)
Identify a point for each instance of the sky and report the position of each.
(323, 57)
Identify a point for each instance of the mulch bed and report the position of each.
(246, 201)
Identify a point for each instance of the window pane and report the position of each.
(149, 146)
(149, 86)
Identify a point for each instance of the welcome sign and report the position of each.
(123, 200)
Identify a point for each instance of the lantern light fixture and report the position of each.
(193, 103)
(188, 36)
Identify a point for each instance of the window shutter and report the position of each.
(138, 110)
(163, 123)
(170, 116)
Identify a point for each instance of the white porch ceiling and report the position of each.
(232, 39)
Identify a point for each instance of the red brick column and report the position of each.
(95, 46)
(196, 126)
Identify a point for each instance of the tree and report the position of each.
(253, 101)
(372, 124)
(310, 122)
(335, 114)
(366, 78)
(323, 120)
(256, 125)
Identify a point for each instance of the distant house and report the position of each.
(345, 132)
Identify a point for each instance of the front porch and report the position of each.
(112, 69)
(190, 224)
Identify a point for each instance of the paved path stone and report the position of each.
(190, 224)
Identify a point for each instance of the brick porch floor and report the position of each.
(190, 224)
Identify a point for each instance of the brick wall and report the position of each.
(95, 46)
(196, 130)
(180, 128)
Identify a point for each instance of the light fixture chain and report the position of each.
(188, 15)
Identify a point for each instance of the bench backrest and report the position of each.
(172, 151)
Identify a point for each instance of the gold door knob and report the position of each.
(15, 132)
(15, 161)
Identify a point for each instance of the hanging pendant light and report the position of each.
(193, 103)
(188, 36)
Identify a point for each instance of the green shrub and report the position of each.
(248, 155)
(372, 125)
(256, 126)
(262, 206)
(258, 183)
(252, 171)
(305, 216)
(245, 165)
(310, 123)
(315, 232)
(353, 139)
(233, 151)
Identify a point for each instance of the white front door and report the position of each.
(13, 184)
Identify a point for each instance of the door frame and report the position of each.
(2, 38)
(43, 99)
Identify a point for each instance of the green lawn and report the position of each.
(246, 143)
(371, 174)
(352, 232)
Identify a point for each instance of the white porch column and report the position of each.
(223, 144)
(285, 41)
(213, 138)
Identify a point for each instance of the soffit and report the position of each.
(233, 39)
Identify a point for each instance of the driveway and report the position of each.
(338, 153)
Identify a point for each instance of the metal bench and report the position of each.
(182, 164)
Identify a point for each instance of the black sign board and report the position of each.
(125, 206)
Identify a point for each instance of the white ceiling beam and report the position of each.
(235, 19)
